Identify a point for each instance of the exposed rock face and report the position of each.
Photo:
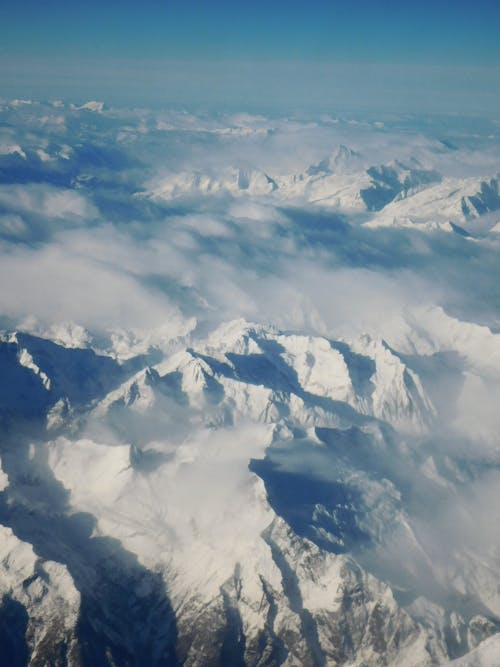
(39, 607)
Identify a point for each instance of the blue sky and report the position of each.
(387, 31)
(48, 45)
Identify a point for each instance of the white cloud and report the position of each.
(56, 285)
(48, 202)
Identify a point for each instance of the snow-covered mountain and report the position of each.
(249, 491)
(399, 194)
(248, 415)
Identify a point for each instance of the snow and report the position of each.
(409, 223)
(44, 588)
(13, 150)
(4, 480)
(250, 385)
(451, 199)
(487, 654)
(130, 342)
(26, 360)
(186, 512)
(496, 228)
(408, 194)
(93, 105)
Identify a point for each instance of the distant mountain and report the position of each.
(398, 194)
(395, 180)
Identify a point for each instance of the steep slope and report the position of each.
(485, 655)
(456, 200)
(398, 194)
(245, 488)
(39, 607)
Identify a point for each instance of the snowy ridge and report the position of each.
(233, 181)
(249, 388)
(484, 655)
(240, 360)
(41, 596)
(405, 194)
(166, 457)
